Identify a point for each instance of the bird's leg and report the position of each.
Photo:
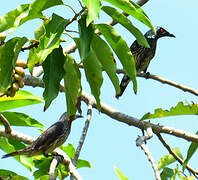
(47, 155)
(59, 157)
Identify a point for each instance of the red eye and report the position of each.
(162, 30)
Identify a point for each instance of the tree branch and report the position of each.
(28, 140)
(5, 123)
(195, 173)
(141, 142)
(118, 116)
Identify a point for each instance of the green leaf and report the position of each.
(120, 174)
(168, 159)
(8, 56)
(83, 163)
(121, 49)
(132, 10)
(40, 31)
(124, 21)
(166, 174)
(86, 34)
(22, 98)
(69, 149)
(11, 175)
(105, 56)
(93, 7)
(21, 119)
(25, 12)
(10, 145)
(191, 150)
(53, 73)
(72, 80)
(179, 109)
(49, 41)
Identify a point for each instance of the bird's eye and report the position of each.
(162, 30)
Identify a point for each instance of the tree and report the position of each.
(97, 54)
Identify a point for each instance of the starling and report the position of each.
(143, 55)
(50, 139)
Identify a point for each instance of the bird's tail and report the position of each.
(19, 152)
(125, 81)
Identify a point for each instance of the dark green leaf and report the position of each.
(191, 150)
(48, 42)
(86, 34)
(124, 21)
(120, 174)
(8, 55)
(105, 56)
(53, 73)
(72, 80)
(166, 174)
(11, 175)
(69, 149)
(83, 163)
(21, 119)
(93, 7)
(22, 98)
(132, 10)
(25, 12)
(121, 49)
(168, 159)
(179, 109)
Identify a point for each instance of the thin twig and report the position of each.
(6, 124)
(118, 116)
(28, 140)
(195, 173)
(70, 8)
(83, 136)
(141, 142)
(30, 46)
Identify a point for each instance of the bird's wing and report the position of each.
(49, 136)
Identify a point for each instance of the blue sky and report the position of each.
(110, 143)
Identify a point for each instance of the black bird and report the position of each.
(143, 55)
(50, 139)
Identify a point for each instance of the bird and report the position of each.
(143, 55)
(50, 139)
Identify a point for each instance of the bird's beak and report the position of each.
(79, 116)
(170, 35)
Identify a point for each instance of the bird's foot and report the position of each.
(59, 157)
(147, 75)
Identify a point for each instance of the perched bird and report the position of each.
(50, 139)
(143, 55)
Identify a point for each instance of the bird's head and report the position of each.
(160, 32)
(72, 118)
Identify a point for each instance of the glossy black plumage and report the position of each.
(143, 55)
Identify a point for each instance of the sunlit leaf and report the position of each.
(120, 174)
(105, 56)
(132, 10)
(22, 98)
(124, 21)
(8, 55)
(53, 73)
(48, 42)
(25, 12)
(168, 159)
(21, 119)
(121, 49)
(179, 109)
(83, 163)
(6, 174)
(93, 7)
(69, 149)
(72, 80)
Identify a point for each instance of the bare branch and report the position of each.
(116, 115)
(53, 165)
(28, 140)
(195, 173)
(5, 123)
(141, 142)
(164, 81)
